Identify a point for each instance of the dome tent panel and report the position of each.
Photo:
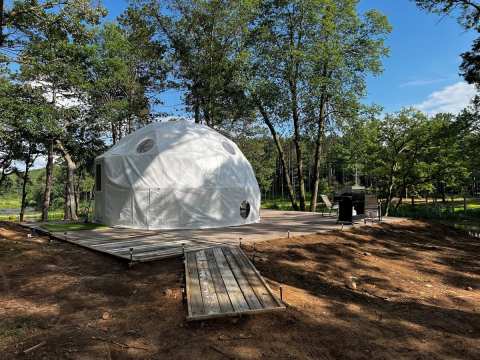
(140, 206)
(172, 175)
(118, 208)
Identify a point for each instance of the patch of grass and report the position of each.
(277, 204)
(450, 210)
(65, 227)
(9, 201)
(11, 330)
(52, 215)
(286, 205)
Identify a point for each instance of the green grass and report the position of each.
(12, 330)
(286, 205)
(9, 201)
(277, 204)
(32, 216)
(66, 227)
(453, 210)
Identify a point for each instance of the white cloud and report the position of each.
(63, 99)
(40, 163)
(422, 82)
(451, 99)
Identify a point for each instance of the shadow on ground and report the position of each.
(409, 290)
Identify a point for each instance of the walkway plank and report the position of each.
(209, 296)
(234, 292)
(247, 290)
(194, 298)
(229, 285)
(222, 295)
(263, 294)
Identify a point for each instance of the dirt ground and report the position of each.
(409, 290)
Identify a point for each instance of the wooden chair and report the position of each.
(373, 209)
(328, 204)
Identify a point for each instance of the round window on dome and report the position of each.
(244, 209)
(228, 147)
(144, 146)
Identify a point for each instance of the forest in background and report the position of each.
(283, 79)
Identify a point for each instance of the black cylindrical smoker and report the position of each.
(351, 203)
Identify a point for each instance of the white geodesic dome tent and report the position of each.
(175, 175)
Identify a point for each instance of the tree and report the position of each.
(313, 56)
(468, 15)
(28, 18)
(24, 111)
(206, 40)
(56, 58)
(467, 11)
(127, 75)
(398, 134)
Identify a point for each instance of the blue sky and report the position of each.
(422, 69)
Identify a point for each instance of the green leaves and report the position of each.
(466, 11)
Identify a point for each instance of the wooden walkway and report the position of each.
(221, 281)
(151, 245)
(143, 249)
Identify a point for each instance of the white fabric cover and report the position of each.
(192, 177)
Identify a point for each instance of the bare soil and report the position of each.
(409, 290)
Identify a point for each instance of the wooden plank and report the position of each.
(222, 295)
(119, 243)
(104, 239)
(234, 292)
(176, 250)
(247, 290)
(159, 245)
(117, 238)
(194, 296)
(277, 300)
(161, 255)
(209, 296)
(258, 287)
(234, 314)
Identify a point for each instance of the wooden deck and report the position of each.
(151, 245)
(221, 281)
(143, 249)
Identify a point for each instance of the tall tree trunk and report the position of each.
(70, 203)
(281, 155)
(114, 133)
(318, 153)
(196, 108)
(28, 163)
(48, 182)
(296, 141)
(390, 188)
(77, 193)
(47, 193)
(196, 104)
(3, 176)
(206, 116)
(399, 202)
